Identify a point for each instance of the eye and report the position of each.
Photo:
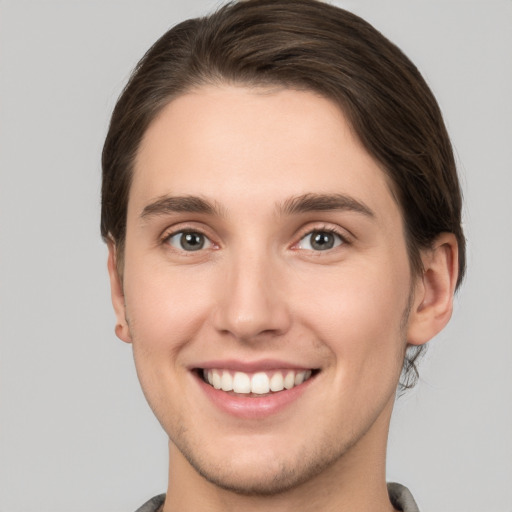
(188, 241)
(320, 240)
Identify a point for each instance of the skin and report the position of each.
(259, 290)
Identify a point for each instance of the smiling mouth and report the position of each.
(255, 384)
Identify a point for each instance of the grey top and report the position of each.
(400, 497)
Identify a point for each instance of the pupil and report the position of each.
(322, 241)
(192, 241)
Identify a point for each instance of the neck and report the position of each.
(356, 481)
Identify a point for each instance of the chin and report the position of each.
(265, 483)
(257, 481)
(263, 474)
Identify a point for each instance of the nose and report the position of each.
(252, 303)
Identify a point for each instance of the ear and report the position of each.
(433, 297)
(117, 294)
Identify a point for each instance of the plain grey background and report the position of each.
(75, 431)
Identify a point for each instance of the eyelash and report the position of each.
(321, 230)
(166, 238)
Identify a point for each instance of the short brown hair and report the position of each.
(306, 45)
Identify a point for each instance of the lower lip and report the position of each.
(254, 407)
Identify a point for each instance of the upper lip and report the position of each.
(250, 366)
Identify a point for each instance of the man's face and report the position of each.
(263, 248)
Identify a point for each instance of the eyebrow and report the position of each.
(180, 204)
(295, 205)
(323, 203)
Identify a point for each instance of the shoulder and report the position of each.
(401, 498)
(153, 505)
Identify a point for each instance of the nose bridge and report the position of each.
(252, 303)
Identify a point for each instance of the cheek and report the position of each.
(165, 311)
(358, 314)
(165, 307)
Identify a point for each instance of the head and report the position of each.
(336, 61)
(307, 45)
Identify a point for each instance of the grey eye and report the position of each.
(320, 241)
(189, 241)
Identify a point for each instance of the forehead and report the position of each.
(255, 146)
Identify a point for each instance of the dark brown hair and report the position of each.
(306, 45)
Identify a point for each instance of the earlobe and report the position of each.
(122, 329)
(433, 299)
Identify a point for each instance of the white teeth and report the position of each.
(216, 380)
(241, 383)
(289, 380)
(226, 381)
(299, 378)
(258, 383)
(277, 382)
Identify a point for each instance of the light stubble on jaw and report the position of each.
(305, 468)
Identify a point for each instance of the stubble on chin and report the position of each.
(266, 478)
